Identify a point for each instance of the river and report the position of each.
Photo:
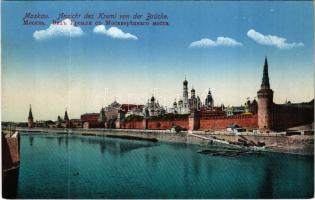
(61, 166)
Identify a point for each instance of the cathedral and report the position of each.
(153, 108)
(209, 100)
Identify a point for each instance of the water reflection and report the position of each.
(116, 146)
(102, 147)
(196, 164)
(30, 139)
(266, 189)
(185, 173)
(66, 141)
(151, 161)
(62, 139)
(100, 167)
(59, 140)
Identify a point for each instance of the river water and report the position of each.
(60, 166)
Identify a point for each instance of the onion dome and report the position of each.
(152, 98)
(115, 104)
(193, 90)
(185, 82)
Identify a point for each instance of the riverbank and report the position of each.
(274, 142)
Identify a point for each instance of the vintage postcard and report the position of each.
(157, 99)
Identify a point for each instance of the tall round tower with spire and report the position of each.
(265, 101)
(30, 120)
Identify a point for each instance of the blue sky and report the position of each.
(86, 72)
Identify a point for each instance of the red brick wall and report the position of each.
(132, 125)
(286, 116)
(156, 124)
(112, 113)
(246, 121)
(90, 117)
(166, 124)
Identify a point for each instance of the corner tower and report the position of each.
(30, 120)
(265, 101)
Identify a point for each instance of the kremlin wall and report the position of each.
(190, 114)
(270, 116)
(212, 123)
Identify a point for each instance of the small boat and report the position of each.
(256, 148)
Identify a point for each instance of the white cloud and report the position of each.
(272, 40)
(221, 41)
(114, 33)
(65, 28)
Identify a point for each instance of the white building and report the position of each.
(186, 105)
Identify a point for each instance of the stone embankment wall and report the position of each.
(275, 142)
(10, 152)
(295, 144)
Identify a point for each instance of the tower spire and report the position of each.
(30, 118)
(265, 80)
(66, 115)
(30, 114)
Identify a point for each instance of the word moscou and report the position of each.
(34, 19)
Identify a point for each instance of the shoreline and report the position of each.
(275, 142)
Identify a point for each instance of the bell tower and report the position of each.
(185, 97)
(265, 101)
(30, 121)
